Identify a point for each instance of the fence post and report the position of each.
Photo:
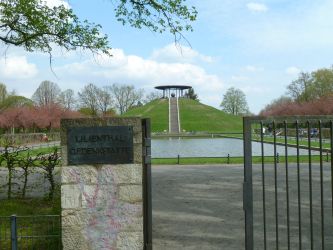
(13, 232)
(277, 158)
(178, 159)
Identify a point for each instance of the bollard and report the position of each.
(326, 156)
(178, 159)
(13, 232)
(228, 159)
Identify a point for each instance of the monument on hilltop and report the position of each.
(173, 92)
(177, 90)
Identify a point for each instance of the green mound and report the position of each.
(194, 116)
(157, 111)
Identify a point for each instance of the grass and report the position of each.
(195, 116)
(292, 141)
(234, 160)
(30, 207)
(33, 153)
(157, 111)
(45, 229)
(38, 151)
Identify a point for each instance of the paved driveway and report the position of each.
(198, 207)
(201, 207)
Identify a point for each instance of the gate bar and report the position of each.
(263, 182)
(331, 133)
(310, 183)
(247, 185)
(299, 190)
(276, 191)
(321, 186)
(287, 180)
(147, 199)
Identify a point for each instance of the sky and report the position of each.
(256, 46)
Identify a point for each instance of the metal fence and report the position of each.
(30, 232)
(288, 203)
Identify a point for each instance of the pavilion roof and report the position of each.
(181, 87)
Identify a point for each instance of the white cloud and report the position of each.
(142, 73)
(257, 7)
(173, 53)
(17, 67)
(293, 71)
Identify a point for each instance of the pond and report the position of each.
(209, 147)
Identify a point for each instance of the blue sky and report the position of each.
(257, 46)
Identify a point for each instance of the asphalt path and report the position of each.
(201, 207)
(197, 207)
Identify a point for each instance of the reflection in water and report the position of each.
(208, 147)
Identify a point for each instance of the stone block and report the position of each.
(71, 218)
(91, 196)
(73, 239)
(130, 193)
(136, 225)
(137, 153)
(70, 196)
(122, 174)
(64, 156)
(79, 174)
(130, 240)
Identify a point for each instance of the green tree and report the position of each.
(299, 89)
(322, 83)
(15, 101)
(311, 86)
(190, 94)
(33, 25)
(234, 102)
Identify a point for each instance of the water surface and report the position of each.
(211, 147)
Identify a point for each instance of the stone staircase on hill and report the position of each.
(174, 126)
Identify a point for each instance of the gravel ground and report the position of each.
(201, 207)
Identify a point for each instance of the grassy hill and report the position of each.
(194, 116)
(157, 111)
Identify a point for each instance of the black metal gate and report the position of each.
(288, 182)
(147, 200)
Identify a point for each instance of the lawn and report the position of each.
(37, 221)
(234, 160)
(157, 111)
(195, 116)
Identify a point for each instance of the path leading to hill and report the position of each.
(173, 116)
(200, 207)
(197, 207)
